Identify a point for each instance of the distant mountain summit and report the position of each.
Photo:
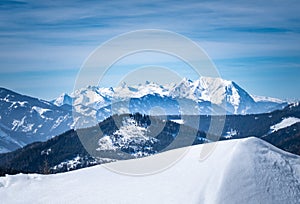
(205, 92)
(63, 99)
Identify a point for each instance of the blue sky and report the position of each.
(43, 44)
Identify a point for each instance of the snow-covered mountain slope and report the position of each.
(237, 171)
(24, 119)
(286, 122)
(129, 136)
(203, 92)
(134, 136)
(266, 99)
(91, 96)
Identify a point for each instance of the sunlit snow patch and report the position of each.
(40, 110)
(230, 134)
(178, 121)
(286, 122)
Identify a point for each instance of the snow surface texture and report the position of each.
(286, 122)
(237, 171)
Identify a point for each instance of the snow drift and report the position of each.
(238, 171)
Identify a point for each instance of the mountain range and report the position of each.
(25, 119)
(205, 96)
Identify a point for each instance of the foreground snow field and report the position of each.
(238, 171)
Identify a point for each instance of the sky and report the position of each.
(43, 44)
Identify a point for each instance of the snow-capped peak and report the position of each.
(63, 99)
(217, 91)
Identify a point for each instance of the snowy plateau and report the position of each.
(237, 171)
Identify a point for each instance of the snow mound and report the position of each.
(286, 122)
(237, 171)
